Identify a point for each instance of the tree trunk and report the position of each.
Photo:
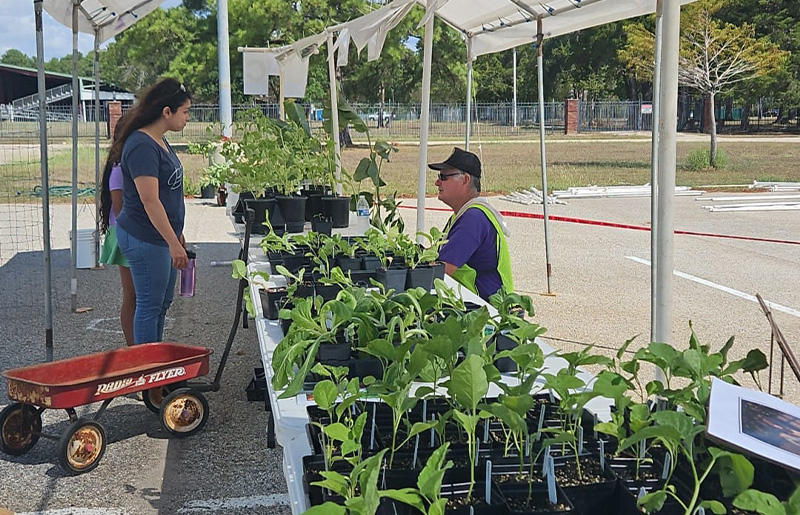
(712, 156)
(745, 121)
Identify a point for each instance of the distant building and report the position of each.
(19, 96)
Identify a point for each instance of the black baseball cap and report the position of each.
(462, 160)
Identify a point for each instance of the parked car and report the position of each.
(387, 117)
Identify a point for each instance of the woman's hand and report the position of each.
(178, 255)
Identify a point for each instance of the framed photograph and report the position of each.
(755, 423)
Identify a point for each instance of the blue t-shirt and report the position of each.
(472, 240)
(141, 156)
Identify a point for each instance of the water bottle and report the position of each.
(187, 275)
(362, 214)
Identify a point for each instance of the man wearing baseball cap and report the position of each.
(476, 252)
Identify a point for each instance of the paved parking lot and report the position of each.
(600, 277)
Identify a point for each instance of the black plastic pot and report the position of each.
(502, 343)
(369, 262)
(347, 263)
(313, 204)
(420, 277)
(365, 366)
(333, 353)
(263, 208)
(208, 191)
(294, 262)
(238, 209)
(338, 210)
(497, 505)
(327, 291)
(322, 226)
(293, 210)
(268, 299)
(392, 279)
(438, 270)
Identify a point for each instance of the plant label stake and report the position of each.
(416, 448)
(642, 492)
(642, 448)
(667, 466)
(552, 399)
(488, 482)
(486, 432)
(477, 449)
(372, 429)
(700, 511)
(580, 440)
(602, 453)
(433, 433)
(424, 410)
(551, 481)
(527, 445)
(594, 431)
(545, 461)
(541, 421)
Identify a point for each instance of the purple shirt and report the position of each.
(472, 240)
(114, 183)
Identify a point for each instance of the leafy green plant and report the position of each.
(767, 504)
(467, 387)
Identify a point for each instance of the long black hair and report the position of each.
(165, 93)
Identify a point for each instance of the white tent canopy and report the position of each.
(103, 18)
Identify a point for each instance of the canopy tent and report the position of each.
(104, 19)
(496, 25)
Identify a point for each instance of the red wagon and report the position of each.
(159, 370)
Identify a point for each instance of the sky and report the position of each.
(17, 30)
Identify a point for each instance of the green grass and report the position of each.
(507, 166)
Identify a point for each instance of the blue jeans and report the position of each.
(154, 283)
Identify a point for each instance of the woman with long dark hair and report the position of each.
(150, 226)
(110, 207)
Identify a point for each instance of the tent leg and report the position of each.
(424, 121)
(667, 129)
(540, 73)
(48, 283)
(97, 183)
(75, 114)
(335, 114)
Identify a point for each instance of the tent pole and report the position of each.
(514, 100)
(97, 184)
(469, 92)
(659, 374)
(224, 64)
(48, 283)
(424, 122)
(540, 73)
(335, 114)
(667, 129)
(73, 285)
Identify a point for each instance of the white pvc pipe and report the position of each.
(540, 74)
(667, 131)
(424, 121)
(75, 113)
(224, 63)
(41, 86)
(335, 114)
(469, 92)
(97, 183)
(659, 374)
(514, 100)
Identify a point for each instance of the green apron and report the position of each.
(466, 275)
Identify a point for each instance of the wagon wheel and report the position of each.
(20, 427)
(184, 412)
(82, 446)
(152, 398)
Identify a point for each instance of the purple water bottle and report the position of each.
(187, 275)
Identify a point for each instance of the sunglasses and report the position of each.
(444, 176)
(181, 89)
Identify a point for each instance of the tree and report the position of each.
(16, 58)
(715, 55)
